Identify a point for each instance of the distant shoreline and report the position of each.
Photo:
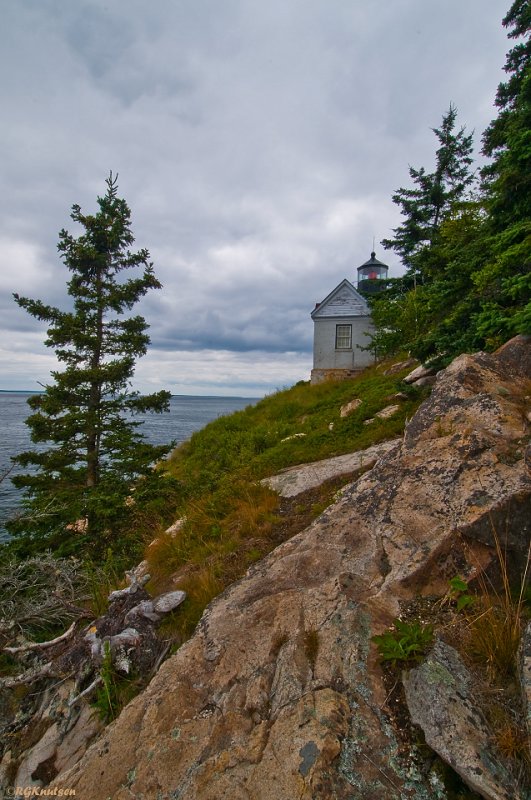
(203, 396)
(21, 391)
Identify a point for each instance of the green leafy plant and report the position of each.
(459, 592)
(408, 641)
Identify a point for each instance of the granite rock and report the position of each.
(440, 698)
(279, 694)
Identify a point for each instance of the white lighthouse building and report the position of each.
(342, 325)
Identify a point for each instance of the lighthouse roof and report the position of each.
(373, 262)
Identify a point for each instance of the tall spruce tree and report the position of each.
(507, 140)
(472, 255)
(425, 206)
(98, 470)
(505, 279)
(401, 314)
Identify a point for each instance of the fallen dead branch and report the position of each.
(29, 676)
(25, 648)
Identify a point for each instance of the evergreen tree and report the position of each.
(425, 206)
(472, 255)
(98, 471)
(404, 312)
(505, 279)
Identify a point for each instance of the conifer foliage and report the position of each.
(97, 471)
(425, 206)
(506, 277)
(466, 248)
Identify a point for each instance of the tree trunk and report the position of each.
(94, 405)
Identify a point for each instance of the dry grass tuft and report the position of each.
(513, 743)
(491, 640)
(495, 628)
(494, 636)
(201, 586)
(214, 527)
(280, 638)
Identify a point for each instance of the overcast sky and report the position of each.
(257, 144)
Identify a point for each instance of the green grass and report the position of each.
(251, 442)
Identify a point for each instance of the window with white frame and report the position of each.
(343, 337)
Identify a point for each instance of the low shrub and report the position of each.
(406, 642)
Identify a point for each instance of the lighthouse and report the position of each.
(343, 325)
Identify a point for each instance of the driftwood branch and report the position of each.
(135, 584)
(162, 655)
(29, 676)
(25, 648)
(88, 690)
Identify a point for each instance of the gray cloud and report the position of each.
(258, 145)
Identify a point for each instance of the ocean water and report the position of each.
(187, 414)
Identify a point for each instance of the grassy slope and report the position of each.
(231, 520)
(252, 440)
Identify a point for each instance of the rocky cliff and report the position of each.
(279, 694)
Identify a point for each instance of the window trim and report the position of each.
(344, 336)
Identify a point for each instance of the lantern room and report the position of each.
(370, 274)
